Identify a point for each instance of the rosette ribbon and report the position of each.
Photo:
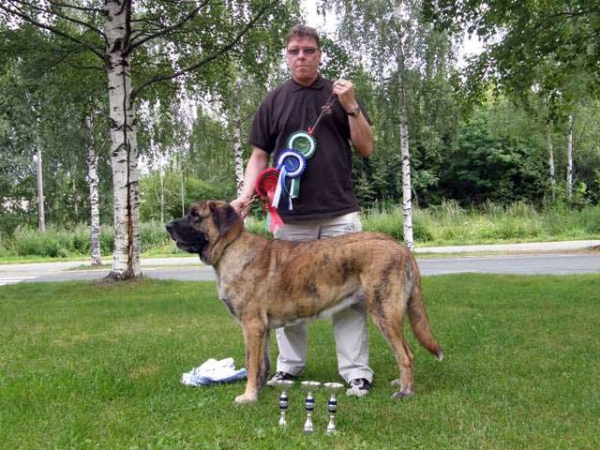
(291, 164)
(265, 187)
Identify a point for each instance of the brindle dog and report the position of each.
(267, 284)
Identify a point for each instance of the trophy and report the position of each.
(332, 405)
(283, 400)
(309, 404)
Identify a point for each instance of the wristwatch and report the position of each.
(354, 112)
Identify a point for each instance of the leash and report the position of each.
(325, 110)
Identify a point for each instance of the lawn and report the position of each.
(86, 366)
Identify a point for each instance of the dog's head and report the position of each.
(206, 229)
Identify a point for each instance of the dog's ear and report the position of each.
(224, 216)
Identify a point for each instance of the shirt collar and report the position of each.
(318, 84)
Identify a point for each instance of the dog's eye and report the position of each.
(194, 212)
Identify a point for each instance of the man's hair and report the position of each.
(300, 31)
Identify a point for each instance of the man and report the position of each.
(326, 205)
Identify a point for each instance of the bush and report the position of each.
(445, 224)
(391, 222)
(52, 243)
(153, 234)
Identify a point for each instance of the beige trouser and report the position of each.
(349, 325)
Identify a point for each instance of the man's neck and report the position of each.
(306, 83)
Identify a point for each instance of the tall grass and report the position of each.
(446, 224)
(58, 242)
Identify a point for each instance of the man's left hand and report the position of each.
(344, 90)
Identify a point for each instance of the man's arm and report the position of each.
(259, 160)
(361, 134)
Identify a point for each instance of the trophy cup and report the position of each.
(332, 405)
(283, 400)
(309, 404)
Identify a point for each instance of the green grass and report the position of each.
(86, 366)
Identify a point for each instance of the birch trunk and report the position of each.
(404, 147)
(551, 165)
(570, 160)
(181, 184)
(93, 181)
(162, 190)
(40, 191)
(126, 259)
(237, 140)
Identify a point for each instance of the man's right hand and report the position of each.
(242, 206)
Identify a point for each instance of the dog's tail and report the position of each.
(419, 322)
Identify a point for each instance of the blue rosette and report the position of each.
(291, 165)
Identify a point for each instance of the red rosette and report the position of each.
(265, 187)
(266, 183)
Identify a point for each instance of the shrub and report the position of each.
(153, 234)
(52, 243)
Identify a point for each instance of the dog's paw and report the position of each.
(245, 398)
(402, 394)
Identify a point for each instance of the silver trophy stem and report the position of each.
(310, 407)
(283, 405)
(283, 400)
(309, 404)
(332, 405)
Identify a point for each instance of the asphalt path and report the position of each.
(558, 258)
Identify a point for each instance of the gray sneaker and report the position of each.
(358, 387)
(280, 376)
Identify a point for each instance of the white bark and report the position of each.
(93, 181)
(157, 156)
(551, 165)
(570, 160)
(406, 181)
(126, 258)
(238, 151)
(181, 185)
(40, 191)
(404, 141)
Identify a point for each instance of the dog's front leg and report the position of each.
(256, 337)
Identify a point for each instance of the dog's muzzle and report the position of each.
(186, 237)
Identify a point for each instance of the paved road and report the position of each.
(549, 258)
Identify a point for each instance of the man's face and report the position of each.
(303, 57)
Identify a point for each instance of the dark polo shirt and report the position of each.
(326, 185)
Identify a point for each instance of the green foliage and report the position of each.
(62, 243)
(390, 222)
(174, 207)
(97, 366)
(544, 43)
(446, 224)
(493, 152)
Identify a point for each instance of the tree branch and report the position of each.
(208, 59)
(163, 32)
(15, 11)
(56, 14)
(78, 8)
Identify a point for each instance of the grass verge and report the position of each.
(90, 366)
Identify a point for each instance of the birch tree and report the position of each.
(388, 36)
(570, 158)
(551, 165)
(93, 182)
(115, 30)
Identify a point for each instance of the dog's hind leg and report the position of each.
(388, 318)
(256, 338)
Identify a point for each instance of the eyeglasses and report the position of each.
(309, 51)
